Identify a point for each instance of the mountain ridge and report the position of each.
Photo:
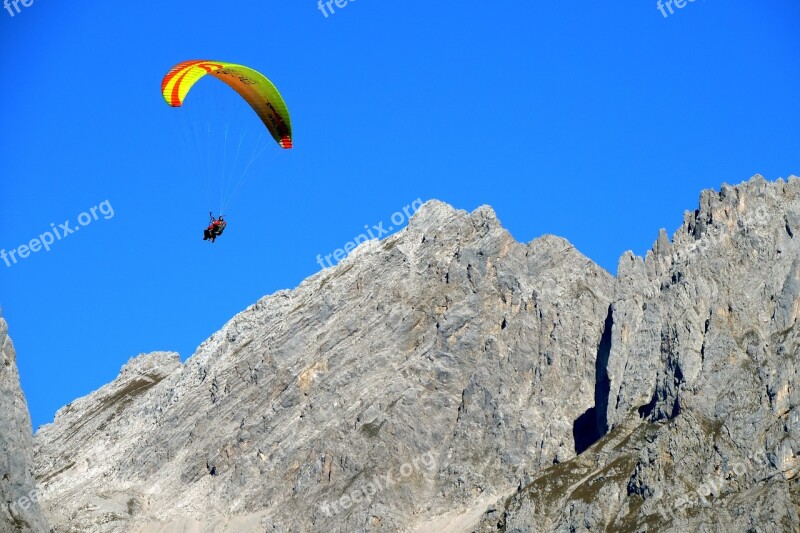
(450, 378)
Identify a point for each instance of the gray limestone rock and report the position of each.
(703, 385)
(450, 378)
(423, 377)
(18, 493)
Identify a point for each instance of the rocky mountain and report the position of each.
(450, 378)
(701, 387)
(18, 493)
(412, 384)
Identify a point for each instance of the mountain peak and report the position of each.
(451, 378)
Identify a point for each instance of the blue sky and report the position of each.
(597, 121)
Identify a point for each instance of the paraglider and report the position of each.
(215, 228)
(251, 85)
(256, 90)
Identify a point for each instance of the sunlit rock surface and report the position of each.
(450, 378)
(18, 494)
(429, 373)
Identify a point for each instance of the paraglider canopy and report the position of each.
(253, 86)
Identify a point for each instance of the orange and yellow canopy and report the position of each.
(253, 86)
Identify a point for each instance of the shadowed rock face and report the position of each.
(20, 508)
(703, 384)
(450, 378)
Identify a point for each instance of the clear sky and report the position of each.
(596, 121)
